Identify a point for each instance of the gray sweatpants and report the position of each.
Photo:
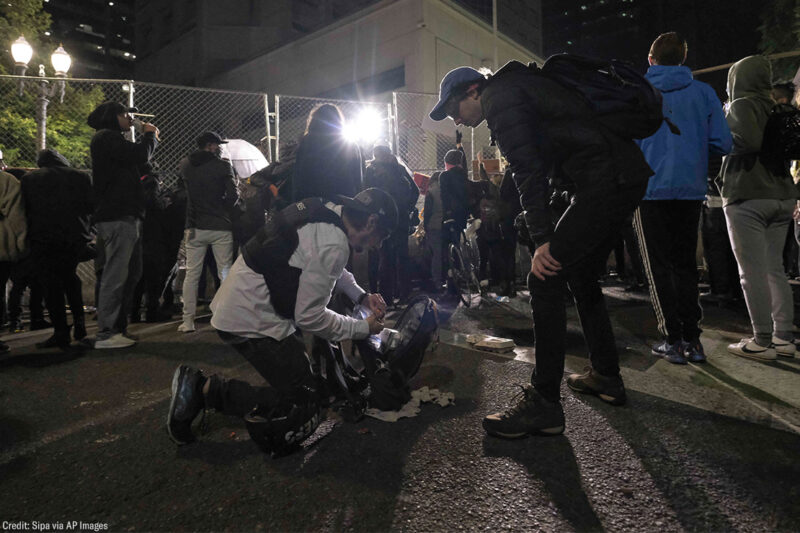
(757, 230)
(122, 249)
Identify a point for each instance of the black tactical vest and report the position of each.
(269, 250)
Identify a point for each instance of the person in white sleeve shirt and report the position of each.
(280, 286)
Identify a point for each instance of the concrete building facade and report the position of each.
(329, 48)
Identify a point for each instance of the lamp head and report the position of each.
(21, 51)
(61, 61)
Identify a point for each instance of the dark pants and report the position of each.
(584, 236)
(668, 238)
(723, 273)
(55, 270)
(390, 268)
(22, 276)
(5, 274)
(283, 364)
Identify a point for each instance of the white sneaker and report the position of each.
(118, 340)
(187, 327)
(750, 349)
(783, 348)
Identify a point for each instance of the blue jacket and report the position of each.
(681, 161)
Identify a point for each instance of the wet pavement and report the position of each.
(710, 447)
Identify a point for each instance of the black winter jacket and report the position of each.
(392, 177)
(211, 191)
(58, 203)
(325, 166)
(455, 197)
(116, 173)
(538, 125)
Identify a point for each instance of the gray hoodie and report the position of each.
(744, 177)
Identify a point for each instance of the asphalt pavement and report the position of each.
(710, 447)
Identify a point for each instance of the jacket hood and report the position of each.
(201, 157)
(51, 158)
(751, 76)
(668, 78)
(105, 116)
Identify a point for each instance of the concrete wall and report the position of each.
(374, 40)
(428, 37)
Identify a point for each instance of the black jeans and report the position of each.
(584, 236)
(55, 271)
(388, 269)
(668, 238)
(723, 273)
(283, 364)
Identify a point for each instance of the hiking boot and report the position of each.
(674, 353)
(694, 352)
(750, 349)
(186, 403)
(118, 340)
(782, 347)
(531, 415)
(609, 389)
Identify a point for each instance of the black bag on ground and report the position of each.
(622, 99)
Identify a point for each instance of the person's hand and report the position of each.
(375, 324)
(375, 303)
(147, 127)
(796, 213)
(543, 264)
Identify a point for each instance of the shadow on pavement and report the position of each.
(552, 461)
(717, 473)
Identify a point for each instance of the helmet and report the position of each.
(279, 429)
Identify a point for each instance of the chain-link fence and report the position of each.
(291, 116)
(422, 144)
(183, 113)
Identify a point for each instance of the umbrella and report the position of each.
(245, 158)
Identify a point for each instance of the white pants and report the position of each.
(197, 242)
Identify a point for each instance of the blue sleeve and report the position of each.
(720, 140)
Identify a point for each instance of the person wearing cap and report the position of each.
(280, 286)
(541, 127)
(211, 193)
(119, 211)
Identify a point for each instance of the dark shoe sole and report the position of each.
(175, 381)
(612, 400)
(545, 432)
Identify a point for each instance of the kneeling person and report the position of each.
(280, 286)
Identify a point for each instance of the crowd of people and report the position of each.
(279, 242)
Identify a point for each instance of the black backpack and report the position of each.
(781, 142)
(622, 99)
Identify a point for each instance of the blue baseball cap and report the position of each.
(452, 79)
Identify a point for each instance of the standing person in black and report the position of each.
(116, 164)
(507, 247)
(455, 200)
(58, 203)
(391, 276)
(326, 164)
(538, 126)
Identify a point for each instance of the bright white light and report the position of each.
(365, 129)
(21, 51)
(61, 61)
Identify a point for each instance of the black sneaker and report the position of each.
(532, 415)
(186, 403)
(610, 390)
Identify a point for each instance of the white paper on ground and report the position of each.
(412, 407)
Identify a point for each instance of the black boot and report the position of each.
(55, 341)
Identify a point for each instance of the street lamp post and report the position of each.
(61, 61)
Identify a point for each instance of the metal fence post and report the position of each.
(266, 120)
(277, 127)
(395, 127)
